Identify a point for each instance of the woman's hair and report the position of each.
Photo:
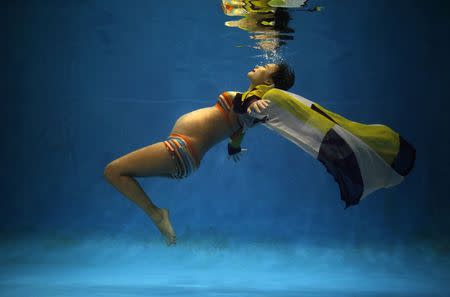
(284, 77)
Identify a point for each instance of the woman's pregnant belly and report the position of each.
(205, 127)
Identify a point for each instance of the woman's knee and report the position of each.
(111, 171)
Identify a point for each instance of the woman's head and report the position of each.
(281, 76)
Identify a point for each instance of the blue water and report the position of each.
(89, 81)
(213, 266)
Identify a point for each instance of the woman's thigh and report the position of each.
(152, 160)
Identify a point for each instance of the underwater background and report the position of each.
(85, 82)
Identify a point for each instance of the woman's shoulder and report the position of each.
(229, 95)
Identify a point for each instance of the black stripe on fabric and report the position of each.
(340, 161)
(315, 108)
(248, 101)
(241, 107)
(405, 159)
(237, 108)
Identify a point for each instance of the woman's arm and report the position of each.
(236, 139)
(240, 105)
(242, 102)
(234, 145)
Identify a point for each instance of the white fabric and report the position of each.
(376, 173)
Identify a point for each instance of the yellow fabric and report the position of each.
(258, 6)
(301, 111)
(380, 138)
(259, 91)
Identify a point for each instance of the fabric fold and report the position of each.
(362, 158)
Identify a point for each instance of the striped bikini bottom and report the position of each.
(184, 153)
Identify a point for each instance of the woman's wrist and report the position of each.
(233, 150)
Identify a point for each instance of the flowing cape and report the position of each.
(361, 158)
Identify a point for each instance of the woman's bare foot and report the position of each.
(162, 222)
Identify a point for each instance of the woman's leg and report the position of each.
(152, 160)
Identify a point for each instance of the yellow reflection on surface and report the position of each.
(267, 20)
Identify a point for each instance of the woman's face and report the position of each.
(262, 74)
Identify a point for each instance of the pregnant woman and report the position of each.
(192, 136)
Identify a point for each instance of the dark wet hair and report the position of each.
(284, 77)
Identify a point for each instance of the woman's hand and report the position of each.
(258, 106)
(235, 153)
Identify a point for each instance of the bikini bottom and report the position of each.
(184, 153)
